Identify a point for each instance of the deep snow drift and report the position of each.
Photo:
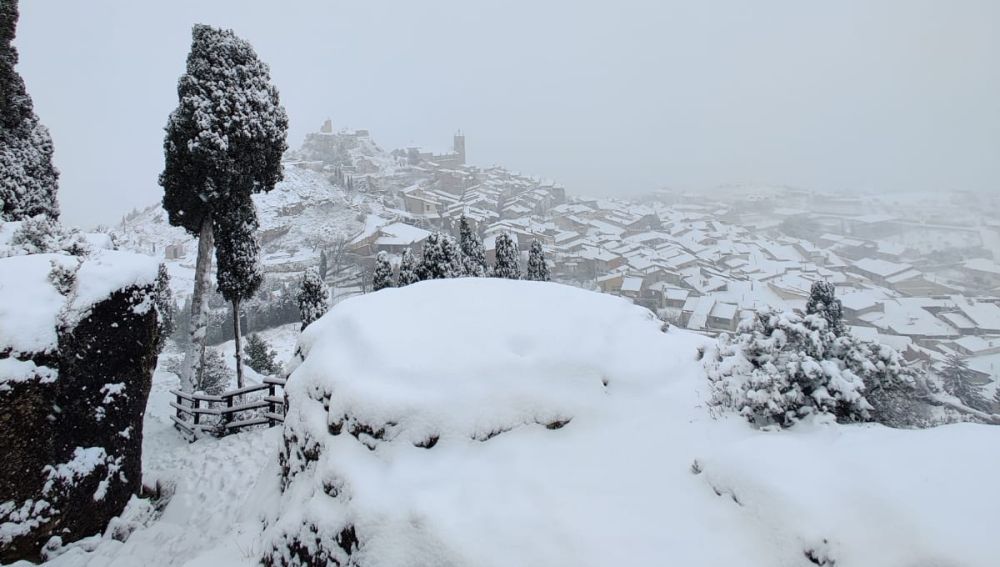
(493, 422)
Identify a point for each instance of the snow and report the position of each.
(14, 370)
(108, 271)
(401, 234)
(617, 481)
(29, 304)
(642, 474)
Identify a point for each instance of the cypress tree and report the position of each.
(538, 270)
(957, 381)
(323, 266)
(822, 302)
(407, 270)
(312, 297)
(260, 356)
(28, 180)
(473, 255)
(507, 263)
(382, 276)
(237, 252)
(164, 302)
(223, 142)
(439, 259)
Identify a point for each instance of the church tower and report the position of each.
(458, 146)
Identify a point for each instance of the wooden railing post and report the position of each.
(195, 406)
(228, 416)
(270, 404)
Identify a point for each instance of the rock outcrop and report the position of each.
(78, 343)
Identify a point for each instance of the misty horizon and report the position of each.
(859, 97)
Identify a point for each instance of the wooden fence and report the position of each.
(200, 414)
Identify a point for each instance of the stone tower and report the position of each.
(459, 146)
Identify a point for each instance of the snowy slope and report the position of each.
(538, 462)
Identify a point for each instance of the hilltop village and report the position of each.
(918, 274)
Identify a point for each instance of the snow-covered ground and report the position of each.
(570, 430)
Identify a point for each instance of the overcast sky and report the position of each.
(606, 97)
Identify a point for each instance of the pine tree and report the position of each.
(237, 252)
(223, 142)
(439, 259)
(957, 380)
(538, 270)
(823, 302)
(260, 356)
(473, 255)
(213, 374)
(780, 367)
(28, 180)
(312, 297)
(382, 276)
(323, 266)
(407, 270)
(507, 263)
(164, 303)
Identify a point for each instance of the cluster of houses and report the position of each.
(916, 277)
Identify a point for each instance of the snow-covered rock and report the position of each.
(493, 423)
(78, 342)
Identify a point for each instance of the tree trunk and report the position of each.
(194, 355)
(236, 334)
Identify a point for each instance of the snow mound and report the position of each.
(474, 358)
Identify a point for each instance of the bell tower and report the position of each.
(458, 146)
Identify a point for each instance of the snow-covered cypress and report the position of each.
(538, 270)
(164, 302)
(473, 255)
(958, 381)
(440, 258)
(28, 180)
(237, 252)
(823, 302)
(223, 142)
(213, 374)
(260, 356)
(508, 258)
(312, 297)
(382, 276)
(323, 264)
(407, 270)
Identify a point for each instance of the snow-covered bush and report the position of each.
(780, 367)
(37, 235)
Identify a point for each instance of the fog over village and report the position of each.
(455, 299)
